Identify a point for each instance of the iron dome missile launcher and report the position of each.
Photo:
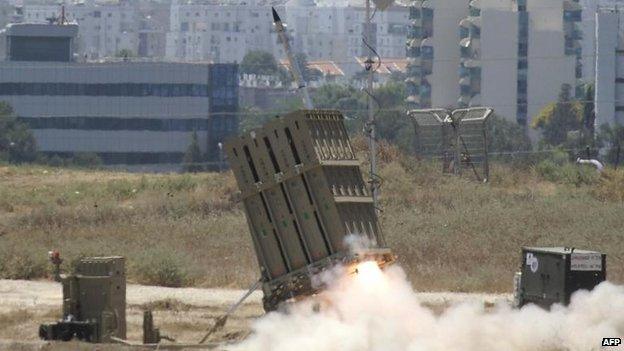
(303, 194)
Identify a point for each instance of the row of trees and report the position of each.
(18, 145)
(568, 124)
(565, 124)
(391, 122)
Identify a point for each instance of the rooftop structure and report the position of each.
(40, 42)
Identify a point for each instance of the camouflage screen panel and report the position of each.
(457, 138)
(470, 126)
(302, 191)
(432, 135)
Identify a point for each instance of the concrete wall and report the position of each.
(499, 48)
(549, 67)
(609, 66)
(445, 77)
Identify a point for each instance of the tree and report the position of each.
(86, 159)
(390, 115)
(193, 156)
(17, 143)
(612, 137)
(589, 116)
(125, 54)
(389, 108)
(505, 135)
(253, 117)
(259, 62)
(557, 119)
(339, 97)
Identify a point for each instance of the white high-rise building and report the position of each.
(610, 65)
(226, 32)
(333, 31)
(219, 32)
(433, 53)
(513, 55)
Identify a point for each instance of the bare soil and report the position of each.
(181, 313)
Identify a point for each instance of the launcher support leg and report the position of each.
(220, 322)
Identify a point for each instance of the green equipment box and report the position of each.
(550, 275)
(94, 302)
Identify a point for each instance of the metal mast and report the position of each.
(371, 115)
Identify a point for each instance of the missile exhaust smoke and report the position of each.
(375, 310)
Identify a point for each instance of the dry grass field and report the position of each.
(450, 234)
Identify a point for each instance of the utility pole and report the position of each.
(368, 35)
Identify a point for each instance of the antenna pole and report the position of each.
(371, 115)
(63, 20)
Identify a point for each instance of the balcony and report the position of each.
(464, 32)
(572, 11)
(469, 22)
(414, 32)
(472, 63)
(474, 8)
(475, 100)
(463, 101)
(414, 13)
(413, 69)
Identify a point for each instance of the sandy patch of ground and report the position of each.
(181, 313)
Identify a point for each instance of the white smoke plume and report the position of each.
(379, 311)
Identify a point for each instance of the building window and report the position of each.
(523, 64)
(522, 49)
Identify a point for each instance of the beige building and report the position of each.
(512, 55)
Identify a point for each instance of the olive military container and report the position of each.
(550, 275)
(303, 193)
(94, 302)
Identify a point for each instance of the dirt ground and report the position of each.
(181, 313)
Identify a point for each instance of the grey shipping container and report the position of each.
(303, 193)
(550, 275)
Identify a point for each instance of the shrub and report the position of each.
(86, 159)
(567, 173)
(22, 264)
(610, 187)
(164, 267)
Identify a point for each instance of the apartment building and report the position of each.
(330, 31)
(334, 31)
(610, 65)
(513, 55)
(432, 37)
(218, 32)
(137, 114)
